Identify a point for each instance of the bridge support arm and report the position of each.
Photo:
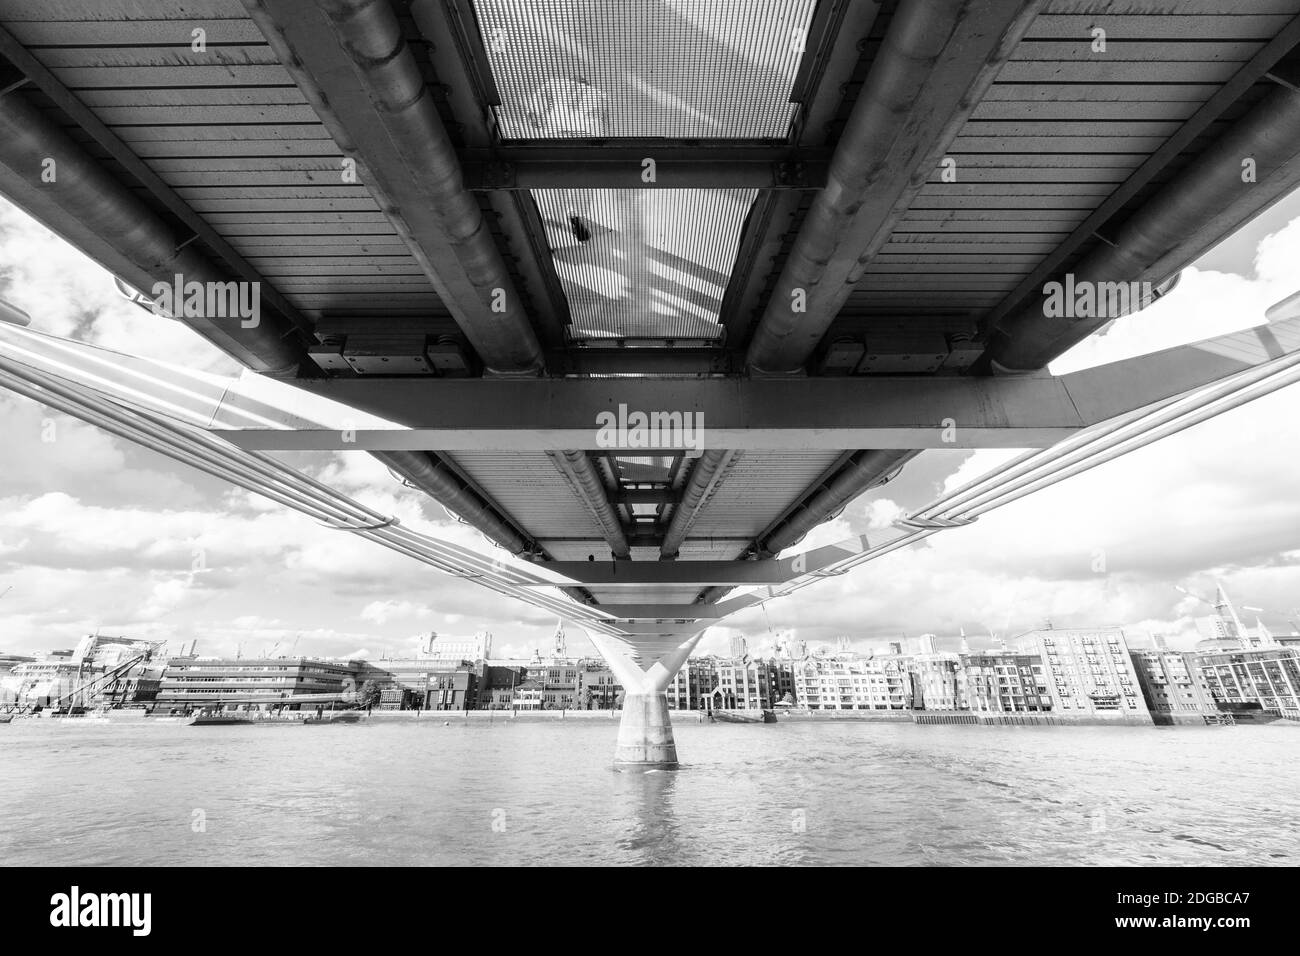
(645, 731)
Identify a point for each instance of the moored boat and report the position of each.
(218, 720)
(347, 717)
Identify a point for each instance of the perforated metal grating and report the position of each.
(644, 68)
(650, 264)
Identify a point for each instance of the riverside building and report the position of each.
(939, 682)
(1005, 682)
(1090, 674)
(1172, 686)
(742, 685)
(100, 671)
(1266, 677)
(692, 685)
(194, 682)
(853, 683)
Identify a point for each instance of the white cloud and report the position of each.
(381, 612)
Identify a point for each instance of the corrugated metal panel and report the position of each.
(228, 130)
(1058, 132)
(755, 490)
(660, 595)
(529, 488)
(644, 68)
(644, 263)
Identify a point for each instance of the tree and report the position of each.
(368, 696)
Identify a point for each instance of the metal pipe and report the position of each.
(863, 471)
(90, 195)
(863, 189)
(435, 480)
(714, 594)
(1088, 442)
(577, 465)
(992, 490)
(1244, 393)
(702, 478)
(263, 475)
(369, 33)
(1174, 218)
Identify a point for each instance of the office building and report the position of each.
(201, 682)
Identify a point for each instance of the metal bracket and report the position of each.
(386, 523)
(494, 175)
(932, 524)
(792, 175)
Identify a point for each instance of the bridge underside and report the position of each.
(646, 292)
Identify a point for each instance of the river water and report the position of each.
(545, 793)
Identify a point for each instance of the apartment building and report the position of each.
(1089, 674)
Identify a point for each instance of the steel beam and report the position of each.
(1205, 201)
(621, 167)
(640, 574)
(1206, 218)
(577, 467)
(143, 173)
(937, 58)
(739, 414)
(837, 40)
(101, 215)
(438, 482)
(548, 414)
(662, 612)
(352, 63)
(705, 476)
(864, 470)
(455, 51)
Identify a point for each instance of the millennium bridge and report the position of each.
(645, 291)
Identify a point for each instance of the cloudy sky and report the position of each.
(96, 533)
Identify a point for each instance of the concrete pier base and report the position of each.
(645, 734)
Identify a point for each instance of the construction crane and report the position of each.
(99, 681)
(1226, 611)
